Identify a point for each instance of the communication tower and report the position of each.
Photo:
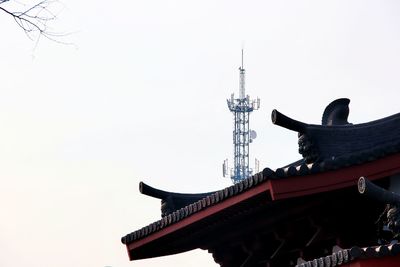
(242, 135)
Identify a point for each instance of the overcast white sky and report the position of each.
(142, 97)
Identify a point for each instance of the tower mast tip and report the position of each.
(242, 58)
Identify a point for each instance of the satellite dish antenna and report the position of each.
(253, 134)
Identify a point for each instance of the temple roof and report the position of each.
(335, 154)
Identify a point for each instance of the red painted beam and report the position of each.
(332, 180)
(388, 261)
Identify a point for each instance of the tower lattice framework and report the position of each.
(242, 135)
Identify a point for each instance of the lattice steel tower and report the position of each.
(242, 135)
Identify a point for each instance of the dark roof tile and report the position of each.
(194, 207)
(315, 168)
(221, 195)
(394, 249)
(245, 184)
(370, 252)
(328, 261)
(382, 251)
(267, 173)
(303, 169)
(231, 190)
(212, 197)
(280, 172)
(292, 171)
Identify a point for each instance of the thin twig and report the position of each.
(34, 20)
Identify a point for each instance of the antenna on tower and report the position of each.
(242, 71)
(242, 58)
(242, 135)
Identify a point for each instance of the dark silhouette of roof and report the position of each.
(335, 154)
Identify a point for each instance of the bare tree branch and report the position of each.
(34, 20)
